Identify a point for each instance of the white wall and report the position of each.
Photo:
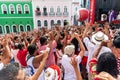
(48, 4)
(15, 0)
(75, 8)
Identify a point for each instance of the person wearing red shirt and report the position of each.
(21, 55)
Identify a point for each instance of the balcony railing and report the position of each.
(38, 13)
(58, 14)
(52, 13)
(45, 14)
(65, 13)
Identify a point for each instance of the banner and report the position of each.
(92, 11)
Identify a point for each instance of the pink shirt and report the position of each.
(51, 57)
(38, 44)
(42, 47)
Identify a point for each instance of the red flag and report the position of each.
(92, 11)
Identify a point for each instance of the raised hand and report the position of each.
(5, 41)
(104, 76)
(104, 43)
(51, 35)
(73, 62)
(45, 55)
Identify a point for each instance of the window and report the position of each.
(28, 28)
(19, 9)
(14, 28)
(58, 11)
(76, 8)
(45, 11)
(39, 23)
(11, 8)
(65, 11)
(65, 22)
(65, 8)
(51, 10)
(45, 23)
(4, 9)
(59, 22)
(52, 23)
(37, 11)
(21, 28)
(52, 13)
(84, 3)
(1, 30)
(7, 29)
(26, 9)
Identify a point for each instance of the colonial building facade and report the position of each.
(25, 15)
(46, 13)
(76, 5)
(15, 16)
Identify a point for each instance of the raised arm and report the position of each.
(38, 58)
(77, 71)
(23, 34)
(82, 48)
(6, 51)
(41, 67)
(105, 76)
(96, 53)
(86, 30)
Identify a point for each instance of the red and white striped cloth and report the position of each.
(118, 63)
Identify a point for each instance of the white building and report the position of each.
(49, 12)
(75, 7)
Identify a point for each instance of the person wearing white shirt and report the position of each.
(92, 42)
(33, 61)
(91, 48)
(14, 52)
(118, 16)
(69, 72)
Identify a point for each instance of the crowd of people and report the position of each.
(86, 52)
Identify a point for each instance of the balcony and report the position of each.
(65, 13)
(58, 14)
(45, 14)
(37, 13)
(52, 14)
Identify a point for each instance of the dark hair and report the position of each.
(59, 45)
(9, 72)
(31, 49)
(15, 37)
(62, 35)
(43, 40)
(113, 27)
(116, 42)
(16, 45)
(108, 63)
(20, 46)
(28, 39)
(93, 29)
(101, 25)
(22, 39)
(75, 43)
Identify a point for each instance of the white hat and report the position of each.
(98, 37)
(52, 73)
(69, 49)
